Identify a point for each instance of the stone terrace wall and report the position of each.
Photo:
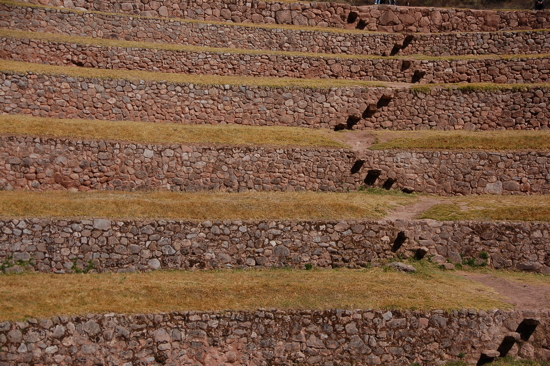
(462, 172)
(269, 336)
(68, 97)
(520, 70)
(56, 245)
(43, 163)
(219, 35)
(373, 18)
(455, 109)
(53, 164)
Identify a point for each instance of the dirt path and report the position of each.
(522, 296)
(411, 211)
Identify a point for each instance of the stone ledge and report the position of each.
(57, 245)
(519, 70)
(370, 337)
(240, 36)
(524, 108)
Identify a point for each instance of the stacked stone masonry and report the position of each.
(53, 164)
(269, 336)
(519, 70)
(322, 14)
(439, 108)
(219, 35)
(50, 164)
(100, 245)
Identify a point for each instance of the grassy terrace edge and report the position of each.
(200, 206)
(371, 204)
(168, 133)
(461, 140)
(23, 296)
(102, 42)
(491, 208)
(277, 136)
(130, 75)
(17, 67)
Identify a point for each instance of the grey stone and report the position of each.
(454, 257)
(153, 263)
(439, 259)
(510, 186)
(15, 336)
(224, 258)
(5, 326)
(168, 250)
(529, 266)
(102, 224)
(448, 266)
(438, 321)
(281, 251)
(402, 267)
(91, 327)
(351, 328)
(59, 331)
(494, 188)
(161, 335)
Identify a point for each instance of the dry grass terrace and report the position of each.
(172, 133)
(25, 295)
(23, 68)
(491, 208)
(131, 75)
(168, 133)
(200, 206)
(368, 204)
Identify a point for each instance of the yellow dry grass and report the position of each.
(200, 206)
(168, 133)
(492, 207)
(44, 295)
(131, 75)
(101, 42)
(462, 140)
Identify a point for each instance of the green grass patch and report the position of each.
(168, 133)
(32, 295)
(462, 140)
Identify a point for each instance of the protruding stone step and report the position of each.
(487, 356)
(508, 342)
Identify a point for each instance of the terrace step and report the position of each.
(179, 31)
(86, 163)
(88, 52)
(322, 14)
(118, 245)
(64, 92)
